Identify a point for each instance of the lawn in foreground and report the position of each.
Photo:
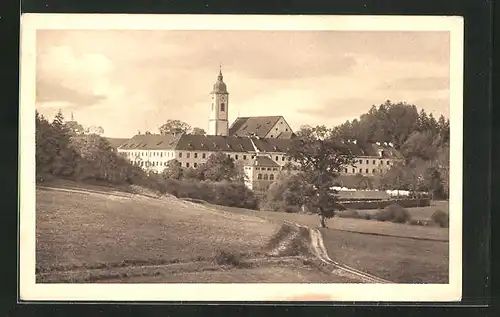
(87, 230)
(400, 260)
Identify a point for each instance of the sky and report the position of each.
(129, 81)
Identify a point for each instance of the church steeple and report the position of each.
(218, 124)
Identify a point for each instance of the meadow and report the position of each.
(108, 235)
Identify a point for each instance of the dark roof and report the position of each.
(214, 143)
(116, 142)
(189, 142)
(272, 144)
(258, 126)
(262, 160)
(285, 135)
(220, 86)
(152, 142)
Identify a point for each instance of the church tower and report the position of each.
(218, 124)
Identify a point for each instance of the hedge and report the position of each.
(381, 204)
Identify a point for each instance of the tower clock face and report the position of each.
(223, 98)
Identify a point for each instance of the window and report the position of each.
(187, 164)
(222, 107)
(161, 154)
(276, 129)
(277, 158)
(236, 156)
(366, 171)
(195, 165)
(283, 158)
(180, 154)
(268, 168)
(271, 177)
(188, 155)
(212, 106)
(388, 162)
(373, 162)
(203, 155)
(266, 177)
(286, 130)
(361, 170)
(353, 170)
(374, 170)
(345, 170)
(289, 159)
(195, 155)
(367, 162)
(275, 169)
(259, 176)
(244, 157)
(271, 135)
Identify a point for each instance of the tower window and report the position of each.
(222, 106)
(203, 155)
(212, 106)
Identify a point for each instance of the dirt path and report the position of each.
(319, 250)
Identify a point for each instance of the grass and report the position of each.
(399, 260)
(353, 225)
(419, 213)
(91, 231)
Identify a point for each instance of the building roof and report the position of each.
(258, 126)
(151, 142)
(190, 142)
(116, 142)
(213, 143)
(263, 160)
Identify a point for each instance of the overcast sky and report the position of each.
(126, 81)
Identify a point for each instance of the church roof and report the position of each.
(258, 126)
(220, 86)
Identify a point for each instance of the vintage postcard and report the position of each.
(240, 158)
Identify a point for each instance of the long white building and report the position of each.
(257, 144)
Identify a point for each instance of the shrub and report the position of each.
(350, 214)
(224, 257)
(441, 218)
(394, 213)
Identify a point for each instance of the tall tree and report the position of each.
(198, 131)
(174, 126)
(173, 170)
(219, 167)
(320, 158)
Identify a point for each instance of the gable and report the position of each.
(280, 129)
(257, 126)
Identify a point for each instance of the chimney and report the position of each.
(355, 141)
(390, 144)
(380, 152)
(378, 143)
(385, 143)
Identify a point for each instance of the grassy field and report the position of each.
(420, 213)
(132, 238)
(355, 225)
(398, 259)
(92, 230)
(396, 252)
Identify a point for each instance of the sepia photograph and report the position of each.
(255, 158)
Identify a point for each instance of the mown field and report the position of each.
(91, 230)
(397, 252)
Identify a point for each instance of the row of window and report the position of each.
(149, 153)
(156, 163)
(265, 177)
(374, 162)
(366, 171)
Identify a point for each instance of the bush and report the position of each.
(350, 214)
(224, 257)
(441, 218)
(394, 213)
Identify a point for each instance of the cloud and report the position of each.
(49, 92)
(414, 83)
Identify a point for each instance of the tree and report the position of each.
(94, 130)
(320, 158)
(173, 170)
(174, 126)
(74, 128)
(219, 167)
(198, 131)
